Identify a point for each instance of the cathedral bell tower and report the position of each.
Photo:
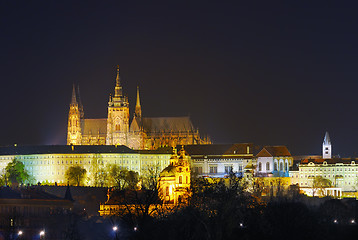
(118, 116)
(74, 134)
(326, 147)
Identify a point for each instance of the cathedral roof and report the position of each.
(274, 151)
(94, 126)
(167, 124)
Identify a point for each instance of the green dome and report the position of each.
(168, 171)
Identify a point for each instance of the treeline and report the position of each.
(225, 209)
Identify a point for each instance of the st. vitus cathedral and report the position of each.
(116, 129)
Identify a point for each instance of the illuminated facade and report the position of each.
(218, 160)
(341, 172)
(174, 181)
(274, 161)
(116, 129)
(48, 164)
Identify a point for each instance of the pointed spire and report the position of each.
(74, 99)
(327, 140)
(326, 147)
(118, 88)
(117, 78)
(138, 109)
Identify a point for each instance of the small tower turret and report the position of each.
(326, 147)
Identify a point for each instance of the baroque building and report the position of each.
(174, 180)
(119, 129)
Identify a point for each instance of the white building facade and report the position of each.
(273, 161)
(219, 160)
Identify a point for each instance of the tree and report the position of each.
(122, 177)
(319, 184)
(15, 172)
(75, 175)
(3, 180)
(99, 173)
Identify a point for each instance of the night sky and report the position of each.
(271, 74)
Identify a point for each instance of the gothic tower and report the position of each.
(326, 147)
(74, 135)
(118, 116)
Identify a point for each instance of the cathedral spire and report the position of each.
(74, 99)
(118, 88)
(138, 109)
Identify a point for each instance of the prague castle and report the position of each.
(117, 129)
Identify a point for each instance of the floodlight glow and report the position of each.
(115, 228)
(19, 233)
(42, 233)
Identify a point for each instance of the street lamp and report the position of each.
(42, 234)
(19, 233)
(115, 229)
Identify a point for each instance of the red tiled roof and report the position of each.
(274, 151)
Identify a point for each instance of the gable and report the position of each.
(264, 153)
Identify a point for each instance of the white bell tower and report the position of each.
(326, 147)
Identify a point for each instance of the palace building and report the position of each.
(48, 164)
(119, 129)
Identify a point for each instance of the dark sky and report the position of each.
(245, 72)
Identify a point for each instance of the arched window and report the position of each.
(286, 166)
(180, 179)
(186, 179)
(267, 166)
(275, 166)
(118, 128)
(281, 166)
(167, 191)
(260, 167)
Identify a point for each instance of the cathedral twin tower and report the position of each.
(116, 129)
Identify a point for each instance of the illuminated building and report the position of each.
(174, 180)
(218, 160)
(341, 172)
(116, 129)
(48, 164)
(274, 161)
(173, 189)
